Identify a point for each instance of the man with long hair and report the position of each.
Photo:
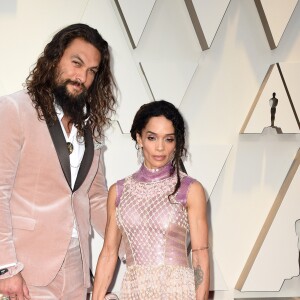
(52, 183)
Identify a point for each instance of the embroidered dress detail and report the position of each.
(154, 229)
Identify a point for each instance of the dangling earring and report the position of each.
(140, 154)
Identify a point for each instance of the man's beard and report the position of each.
(74, 107)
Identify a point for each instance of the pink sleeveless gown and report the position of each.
(155, 230)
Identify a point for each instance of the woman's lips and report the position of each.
(159, 157)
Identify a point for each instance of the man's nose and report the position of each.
(81, 76)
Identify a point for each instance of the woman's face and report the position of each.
(158, 142)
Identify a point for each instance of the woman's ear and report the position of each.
(139, 140)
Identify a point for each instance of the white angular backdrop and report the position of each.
(157, 49)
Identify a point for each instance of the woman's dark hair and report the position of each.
(170, 112)
(41, 80)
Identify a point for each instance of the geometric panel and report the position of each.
(291, 71)
(286, 116)
(245, 128)
(205, 163)
(116, 143)
(131, 90)
(40, 23)
(206, 17)
(135, 14)
(277, 243)
(292, 285)
(168, 65)
(176, 74)
(8, 7)
(275, 15)
(217, 281)
(244, 195)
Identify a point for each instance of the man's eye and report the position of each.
(76, 63)
(93, 71)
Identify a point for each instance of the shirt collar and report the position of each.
(59, 111)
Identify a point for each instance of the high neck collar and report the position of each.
(148, 175)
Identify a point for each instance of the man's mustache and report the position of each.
(76, 82)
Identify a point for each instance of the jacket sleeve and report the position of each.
(11, 140)
(98, 199)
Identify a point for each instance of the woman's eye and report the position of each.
(76, 63)
(170, 140)
(151, 138)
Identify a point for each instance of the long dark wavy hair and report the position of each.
(170, 112)
(101, 99)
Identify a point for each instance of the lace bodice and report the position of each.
(154, 227)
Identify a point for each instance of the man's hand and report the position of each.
(14, 286)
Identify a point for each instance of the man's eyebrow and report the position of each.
(78, 57)
(96, 68)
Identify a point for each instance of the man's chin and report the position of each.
(74, 95)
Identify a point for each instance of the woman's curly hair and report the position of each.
(41, 80)
(170, 112)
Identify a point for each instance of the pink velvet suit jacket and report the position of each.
(37, 204)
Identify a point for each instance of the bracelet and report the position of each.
(200, 249)
(10, 271)
(3, 271)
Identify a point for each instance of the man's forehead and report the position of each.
(79, 48)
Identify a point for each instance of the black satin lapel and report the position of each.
(86, 160)
(61, 149)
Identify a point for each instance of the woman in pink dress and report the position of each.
(154, 210)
